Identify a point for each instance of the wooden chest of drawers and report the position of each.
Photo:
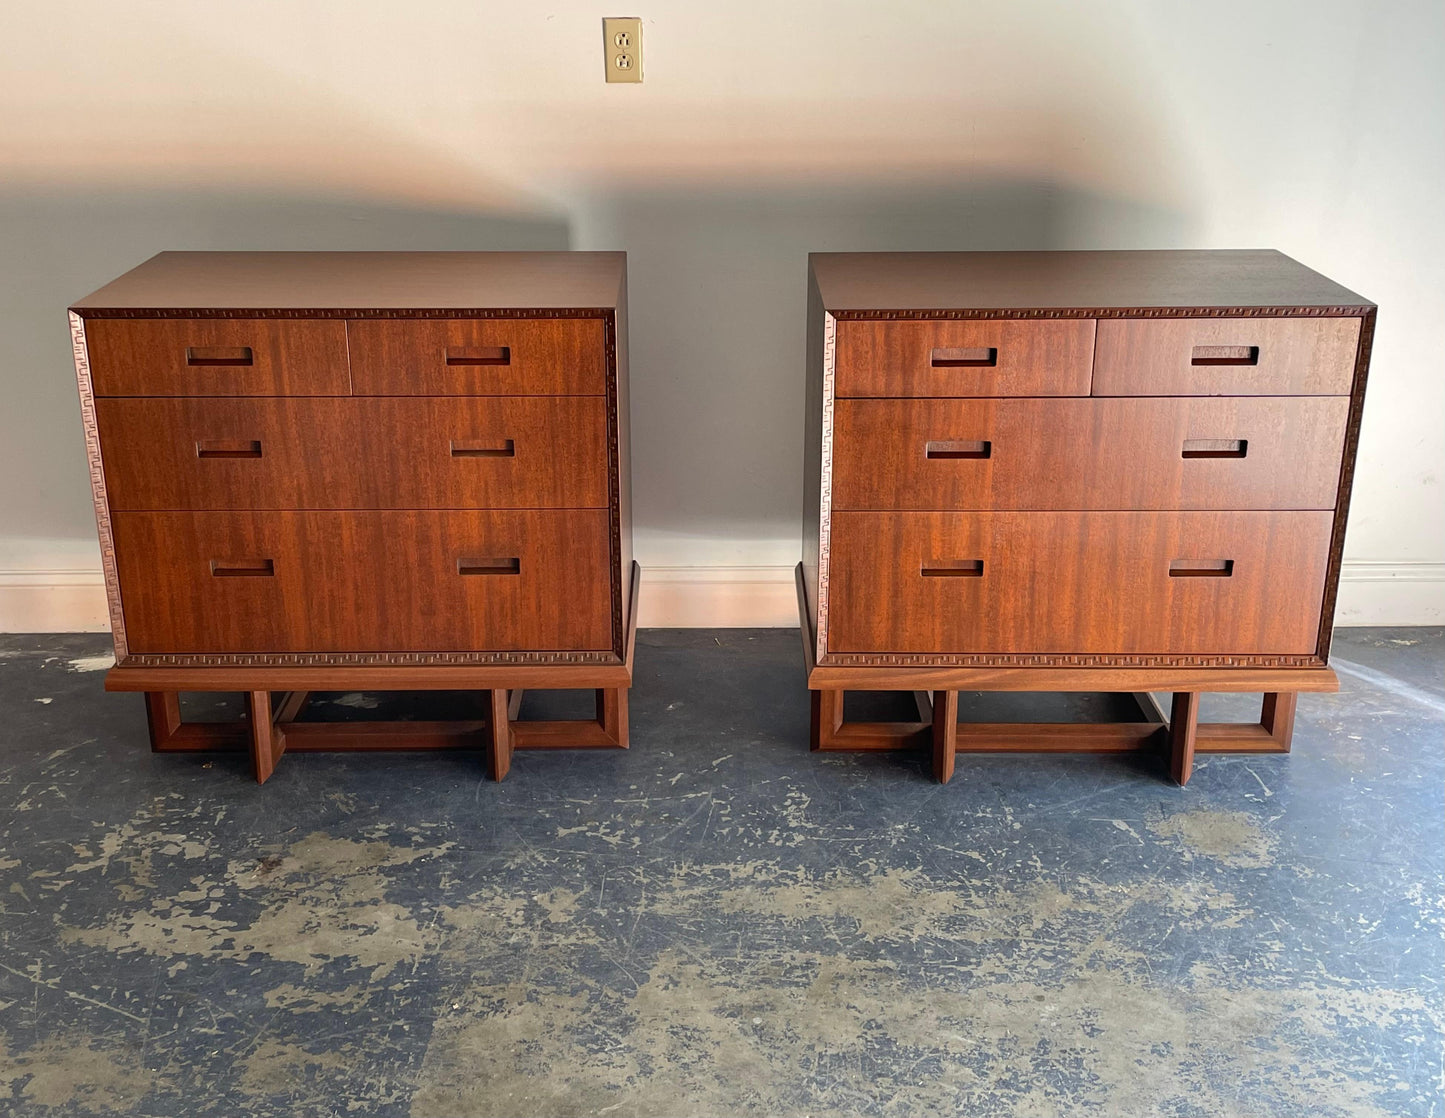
(376, 471)
(1122, 471)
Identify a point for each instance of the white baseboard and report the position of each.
(1372, 592)
(53, 602)
(1386, 592)
(718, 598)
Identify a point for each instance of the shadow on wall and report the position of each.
(717, 305)
(61, 245)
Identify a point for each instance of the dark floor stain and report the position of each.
(717, 922)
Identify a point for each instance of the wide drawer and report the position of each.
(364, 581)
(1122, 453)
(1226, 356)
(355, 453)
(217, 357)
(1077, 582)
(478, 356)
(964, 357)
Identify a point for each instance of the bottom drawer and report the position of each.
(365, 581)
(1061, 582)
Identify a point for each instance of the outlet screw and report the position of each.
(623, 61)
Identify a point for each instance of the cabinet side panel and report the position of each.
(813, 451)
(621, 471)
(97, 484)
(1347, 478)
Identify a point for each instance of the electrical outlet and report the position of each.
(622, 49)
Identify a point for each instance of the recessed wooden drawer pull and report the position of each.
(1201, 568)
(479, 355)
(219, 355)
(1215, 448)
(1225, 355)
(476, 448)
(959, 448)
(970, 357)
(228, 448)
(243, 568)
(489, 566)
(953, 568)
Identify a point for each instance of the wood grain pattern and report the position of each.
(150, 358)
(267, 744)
(1292, 356)
(1346, 484)
(1125, 453)
(1029, 358)
(396, 671)
(1077, 582)
(543, 357)
(945, 734)
(360, 581)
(1183, 733)
(499, 753)
(357, 453)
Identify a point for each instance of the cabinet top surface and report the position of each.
(1171, 279)
(366, 280)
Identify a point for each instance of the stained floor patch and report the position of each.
(717, 922)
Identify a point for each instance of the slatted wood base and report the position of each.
(271, 729)
(940, 731)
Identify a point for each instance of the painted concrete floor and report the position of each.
(719, 923)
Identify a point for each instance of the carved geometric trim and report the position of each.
(1347, 478)
(825, 487)
(1061, 660)
(614, 486)
(359, 659)
(1113, 312)
(345, 312)
(97, 485)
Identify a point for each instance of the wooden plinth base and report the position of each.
(273, 727)
(940, 731)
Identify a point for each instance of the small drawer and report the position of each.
(196, 582)
(394, 452)
(1089, 453)
(478, 357)
(964, 357)
(1226, 356)
(217, 357)
(1229, 583)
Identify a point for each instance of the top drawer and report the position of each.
(964, 357)
(217, 357)
(478, 356)
(1226, 356)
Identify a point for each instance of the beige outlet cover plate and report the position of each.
(622, 48)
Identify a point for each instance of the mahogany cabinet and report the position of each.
(364, 471)
(1075, 471)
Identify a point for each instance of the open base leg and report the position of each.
(947, 737)
(273, 728)
(1183, 735)
(831, 734)
(608, 730)
(1271, 734)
